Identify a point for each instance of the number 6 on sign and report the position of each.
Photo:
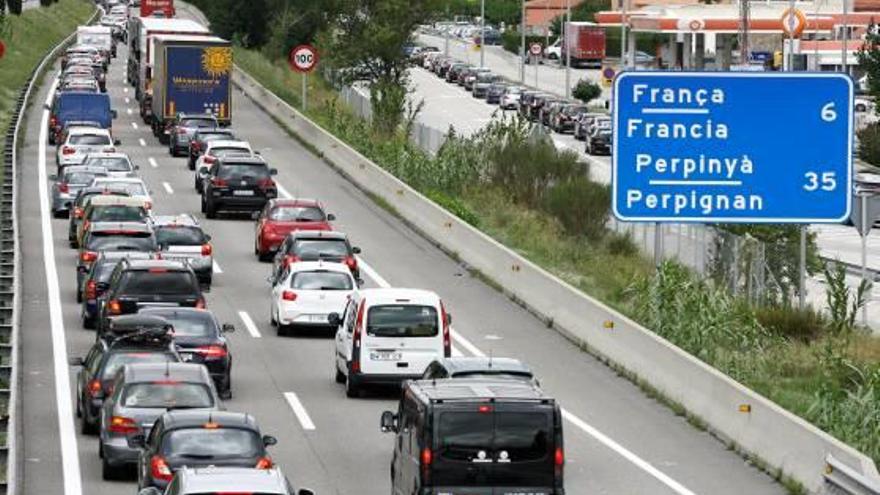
(828, 112)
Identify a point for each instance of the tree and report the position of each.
(584, 11)
(14, 6)
(245, 22)
(296, 22)
(586, 91)
(45, 3)
(869, 58)
(369, 36)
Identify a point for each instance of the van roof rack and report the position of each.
(139, 329)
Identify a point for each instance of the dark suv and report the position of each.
(315, 246)
(476, 436)
(181, 130)
(237, 183)
(138, 284)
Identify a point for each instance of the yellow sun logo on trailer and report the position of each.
(217, 61)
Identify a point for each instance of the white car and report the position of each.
(80, 142)
(117, 164)
(308, 292)
(510, 98)
(217, 149)
(134, 185)
(386, 336)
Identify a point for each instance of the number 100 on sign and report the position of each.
(303, 58)
(732, 147)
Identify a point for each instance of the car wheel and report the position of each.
(210, 209)
(352, 389)
(79, 410)
(272, 320)
(226, 394)
(340, 376)
(85, 426)
(202, 203)
(108, 471)
(281, 330)
(88, 322)
(191, 164)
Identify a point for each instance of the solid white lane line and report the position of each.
(167, 187)
(216, 267)
(249, 324)
(299, 410)
(129, 111)
(125, 90)
(153, 162)
(283, 192)
(127, 100)
(134, 125)
(571, 418)
(66, 432)
(142, 142)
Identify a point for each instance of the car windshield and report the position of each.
(227, 150)
(297, 213)
(188, 324)
(213, 136)
(180, 236)
(317, 248)
(104, 241)
(402, 320)
(573, 110)
(212, 443)
(132, 188)
(201, 123)
(321, 280)
(117, 213)
(81, 178)
(167, 394)
(112, 164)
(89, 140)
(238, 171)
(117, 360)
(158, 281)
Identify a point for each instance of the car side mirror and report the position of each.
(356, 250)
(305, 491)
(360, 283)
(389, 422)
(257, 153)
(227, 328)
(117, 142)
(331, 217)
(449, 318)
(269, 440)
(136, 441)
(53, 177)
(273, 171)
(334, 319)
(76, 361)
(114, 113)
(137, 167)
(46, 106)
(152, 490)
(207, 237)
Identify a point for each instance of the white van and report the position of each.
(386, 336)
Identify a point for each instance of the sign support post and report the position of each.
(866, 229)
(305, 78)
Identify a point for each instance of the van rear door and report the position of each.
(494, 449)
(401, 339)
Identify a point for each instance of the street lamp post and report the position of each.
(843, 48)
(623, 33)
(565, 41)
(522, 44)
(482, 33)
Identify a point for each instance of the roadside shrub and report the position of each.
(869, 143)
(794, 324)
(527, 169)
(511, 41)
(621, 244)
(454, 206)
(586, 91)
(580, 205)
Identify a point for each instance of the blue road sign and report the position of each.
(732, 147)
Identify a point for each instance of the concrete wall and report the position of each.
(778, 437)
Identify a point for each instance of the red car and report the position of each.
(283, 216)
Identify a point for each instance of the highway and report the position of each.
(618, 440)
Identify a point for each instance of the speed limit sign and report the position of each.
(303, 58)
(535, 49)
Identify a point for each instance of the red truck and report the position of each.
(148, 7)
(585, 44)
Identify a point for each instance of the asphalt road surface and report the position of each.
(618, 440)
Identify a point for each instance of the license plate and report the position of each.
(318, 318)
(186, 357)
(242, 193)
(385, 356)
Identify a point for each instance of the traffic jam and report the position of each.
(150, 391)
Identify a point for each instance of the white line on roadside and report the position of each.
(129, 111)
(134, 125)
(153, 162)
(142, 142)
(249, 324)
(571, 418)
(283, 192)
(216, 267)
(127, 100)
(299, 410)
(125, 90)
(66, 432)
(167, 187)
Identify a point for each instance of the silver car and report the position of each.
(117, 164)
(66, 186)
(82, 141)
(141, 394)
(180, 237)
(197, 481)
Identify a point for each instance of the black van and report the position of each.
(480, 437)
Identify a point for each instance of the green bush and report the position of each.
(869, 143)
(621, 244)
(802, 325)
(527, 169)
(586, 91)
(511, 41)
(581, 206)
(455, 206)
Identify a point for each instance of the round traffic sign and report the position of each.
(535, 49)
(2, 48)
(303, 58)
(608, 73)
(793, 22)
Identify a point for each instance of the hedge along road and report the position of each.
(328, 442)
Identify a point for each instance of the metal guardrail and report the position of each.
(844, 480)
(853, 268)
(10, 279)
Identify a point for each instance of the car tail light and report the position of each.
(91, 290)
(114, 307)
(218, 182)
(53, 121)
(265, 462)
(351, 262)
(200, 304)
(88, 256)
(266, 184)
(95, 389)
(447, 340)
(290, 259)
(181, 131)
(207, 249)
(426, 457)
(159, 468)
(63, 187)
(212, 351)
(78, 212)
(288, 295)
(195, 146)
(67, 150)
(209, 159)
(148, 205)
(123, 425)
(559, 457)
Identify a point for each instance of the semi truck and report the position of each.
(584, 42)
(152, 8)
(140, 52)
(192, 75)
